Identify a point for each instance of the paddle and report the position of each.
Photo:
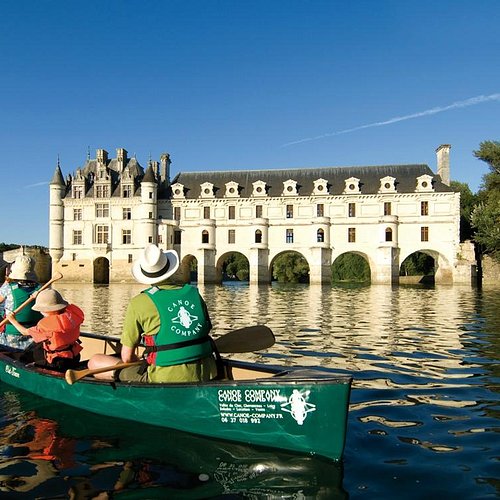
(57, 276)
(248, 339)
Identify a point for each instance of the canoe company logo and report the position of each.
(11, 371)
(184, 317)
(298, 406)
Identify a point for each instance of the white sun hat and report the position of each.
(155, 265)
(23, 269)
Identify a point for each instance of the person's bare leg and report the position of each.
(102, 361)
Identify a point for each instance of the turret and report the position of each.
(149, 189)
(56, 215)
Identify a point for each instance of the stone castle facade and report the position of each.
(103, 214)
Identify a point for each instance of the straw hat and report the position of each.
(49, 300)
(23, 269)
(155, 265)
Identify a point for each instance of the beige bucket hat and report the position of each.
(49, 300)
(23, 269)
(155, 265)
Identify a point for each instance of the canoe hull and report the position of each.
(303, 411)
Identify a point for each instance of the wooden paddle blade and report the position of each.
(248, 339)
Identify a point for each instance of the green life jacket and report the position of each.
(26, 316)
(184, 327)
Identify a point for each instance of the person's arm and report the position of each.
(128, 354)
(20, 328)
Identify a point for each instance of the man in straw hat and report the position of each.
(17, 288)
(171, 321)
(56, 334)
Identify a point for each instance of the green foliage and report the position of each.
(350, 267)
(291, 267)
(485, 218)
(4, 247)
(417, 264)
(237, 266)
(468, 200)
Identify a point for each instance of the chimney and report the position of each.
(443, 162)
(102, 156)
(121, 157)
(165, 168)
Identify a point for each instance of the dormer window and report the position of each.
(126, 190)
(232, 190)
(259, 188)
(387, 185)
(424, 184)
(352, 186)
(206, 190)
(320, 187)
(290, 188)
(178, 190)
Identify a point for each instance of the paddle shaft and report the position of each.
(73, 376)
(56, 277)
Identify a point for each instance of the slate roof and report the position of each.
(369, 176)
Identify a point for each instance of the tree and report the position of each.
(237, 265)
(291, 267)
(485, 217)
(350, 267)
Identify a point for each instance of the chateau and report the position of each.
(103, 214)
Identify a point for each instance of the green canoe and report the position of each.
(293, 409)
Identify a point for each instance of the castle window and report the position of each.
(127, 213)
(101, 235)
(77, 237)
(424, 233)
(150, 239)
(73, 257)
(77, 214)
(150, 214)
(231, 236)
(177, 237)
(78, 192)
(150, 195)
(101, 210)
(130, 258)
(177, 213)
(289, 236)
(206, 212)
(387, 208)
(204, 236)
(258, 236)
(289, 211)
(388, 234)
(232, 212)
(320, 210)
(424, 208)
(258, 211)
(127, 191)
(102, 191)
(351, 235)
(352, 209)
(320, 236)
(126, 237)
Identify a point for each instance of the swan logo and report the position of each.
(298, 406)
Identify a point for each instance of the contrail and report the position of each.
(29, 186)
(439, 109)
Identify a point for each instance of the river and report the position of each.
(423, 418)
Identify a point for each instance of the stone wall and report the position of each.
(40, 255)
(491, 271)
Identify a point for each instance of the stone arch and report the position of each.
(284, 252)
(443, 272)
(188, 269)
(356, 277)
(101, 271)
(221, 263)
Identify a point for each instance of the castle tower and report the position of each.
(148, 208)
(56, 215)
(165, 169)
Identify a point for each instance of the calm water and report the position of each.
(423, 419)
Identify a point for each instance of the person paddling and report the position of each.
(56, 334)
(19, 285)
(171, 321)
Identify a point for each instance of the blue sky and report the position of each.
(224, 85)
